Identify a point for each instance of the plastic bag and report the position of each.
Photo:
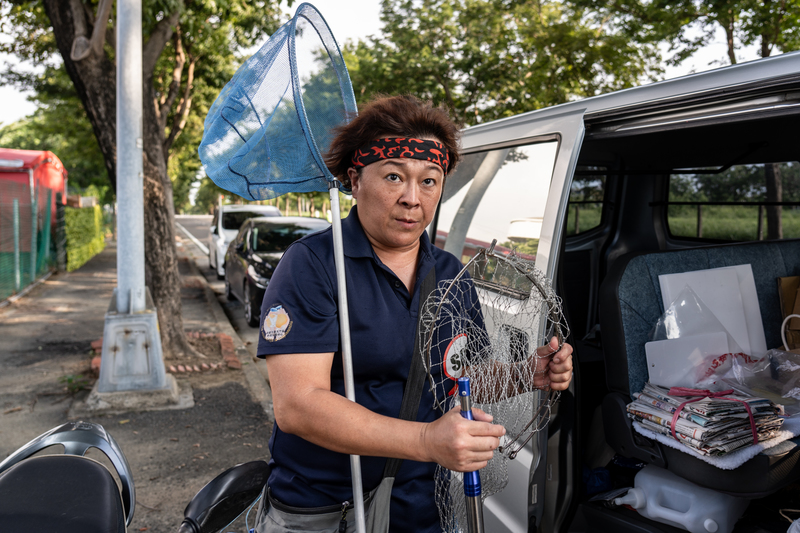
(707, 350)
(775, 376)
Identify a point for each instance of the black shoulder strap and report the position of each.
(416, 375)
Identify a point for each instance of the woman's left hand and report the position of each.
(559, 368)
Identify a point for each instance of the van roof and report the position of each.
(693, 86)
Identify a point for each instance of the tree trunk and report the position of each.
(95, 82)
(94, 79)
(760, 227)
(772, 172)
(729, 38)
(699, 221)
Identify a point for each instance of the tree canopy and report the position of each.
(688, 25)
(59, 124)
(190, 48)
(201, 55)
(487, 59)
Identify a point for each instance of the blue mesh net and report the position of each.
(266, 132)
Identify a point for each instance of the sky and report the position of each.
(358, 19)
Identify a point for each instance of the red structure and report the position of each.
(471, 247)
(38, 168)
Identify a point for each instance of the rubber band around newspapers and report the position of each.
(702, 393)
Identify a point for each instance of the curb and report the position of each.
(234, 350)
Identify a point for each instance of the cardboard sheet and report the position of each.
(789, 296)
(730, 293)
(787, 293)
(678, 362)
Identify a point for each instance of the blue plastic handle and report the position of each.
(472, 480)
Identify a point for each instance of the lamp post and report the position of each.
(131, 359)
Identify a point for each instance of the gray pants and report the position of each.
(276, 517)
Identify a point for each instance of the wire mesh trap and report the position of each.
(487, 324)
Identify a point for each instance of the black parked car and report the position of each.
(253, 255)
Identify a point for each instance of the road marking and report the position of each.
(199, 244)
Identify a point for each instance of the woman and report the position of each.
(395, 156)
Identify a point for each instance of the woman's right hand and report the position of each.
(459, 444)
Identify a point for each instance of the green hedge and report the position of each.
(85, 237)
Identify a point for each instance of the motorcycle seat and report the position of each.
(64, 493)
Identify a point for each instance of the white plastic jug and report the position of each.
(664, 497)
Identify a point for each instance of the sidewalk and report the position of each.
(45, 343)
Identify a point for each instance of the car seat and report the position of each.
(630, 305)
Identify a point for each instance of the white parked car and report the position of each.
(225, 226)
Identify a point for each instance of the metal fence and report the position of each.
(26, 247)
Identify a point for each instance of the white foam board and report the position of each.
(752, 310)
(719, 290)
(716, 289)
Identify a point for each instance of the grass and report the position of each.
(588, 217)
(75, 383)
(730, 223)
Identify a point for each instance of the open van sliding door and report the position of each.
(513, 185)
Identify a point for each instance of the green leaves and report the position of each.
(487, 59)
(688, 25)
(206, 48)
(27, 25)
(85, 235)
(60, 125)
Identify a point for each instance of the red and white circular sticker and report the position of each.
(454, 360)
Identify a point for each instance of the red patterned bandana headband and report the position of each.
(402, 147)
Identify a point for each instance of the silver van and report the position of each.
(608, 193)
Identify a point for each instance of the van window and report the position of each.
(733, 204)
(499, 194)
(585, 208)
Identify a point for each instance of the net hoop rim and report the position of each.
(552, 315)
(345, 86)
(484, 252)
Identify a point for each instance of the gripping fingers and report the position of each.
(463, 445)
(481, 455)
(560, 368)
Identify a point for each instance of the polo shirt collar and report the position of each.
(356, 243)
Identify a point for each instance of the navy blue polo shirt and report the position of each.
(300, 315)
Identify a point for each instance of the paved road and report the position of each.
(198, 225)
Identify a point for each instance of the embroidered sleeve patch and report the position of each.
(276, 324)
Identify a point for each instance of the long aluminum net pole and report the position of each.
(347, 354)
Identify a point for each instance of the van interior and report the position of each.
(654, 186)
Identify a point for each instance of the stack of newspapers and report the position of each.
(710, 426)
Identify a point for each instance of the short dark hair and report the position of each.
(392, 116)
